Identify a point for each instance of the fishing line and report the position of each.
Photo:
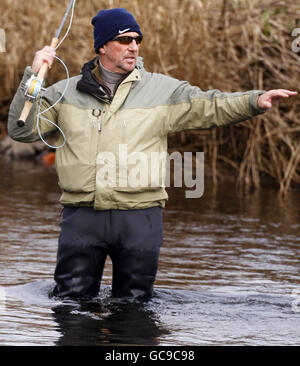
(70, 24)
(39, 117)
(39, 113)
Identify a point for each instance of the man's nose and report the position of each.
(133, 46)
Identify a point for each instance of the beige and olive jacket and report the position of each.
(108, 139)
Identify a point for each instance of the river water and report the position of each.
(228, 272)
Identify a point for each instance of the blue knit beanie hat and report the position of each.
(108, 23)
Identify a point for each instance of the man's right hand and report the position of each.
(47, 54)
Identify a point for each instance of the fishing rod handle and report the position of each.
(41, 74)
(44, 68)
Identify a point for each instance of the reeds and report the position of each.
(231, 45)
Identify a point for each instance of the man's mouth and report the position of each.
(130, 58)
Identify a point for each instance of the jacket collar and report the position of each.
(91, 82)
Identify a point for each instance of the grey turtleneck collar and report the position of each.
(111, 79)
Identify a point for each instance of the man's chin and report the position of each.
(129, 65)
(126, 67)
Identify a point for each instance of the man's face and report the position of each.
(120, 58)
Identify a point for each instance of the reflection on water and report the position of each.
(227, 272)
(104, 322)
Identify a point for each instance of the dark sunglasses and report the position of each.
(127, 39)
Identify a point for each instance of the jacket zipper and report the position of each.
(97, 113)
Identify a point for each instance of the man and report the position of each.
(116, 106)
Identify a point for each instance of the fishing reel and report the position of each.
(33, 87)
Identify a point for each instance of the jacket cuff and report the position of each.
(253, 100)
(26, 76)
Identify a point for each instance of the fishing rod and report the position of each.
(34, 85)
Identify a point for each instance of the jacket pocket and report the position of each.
(76, 177)
(137, 189)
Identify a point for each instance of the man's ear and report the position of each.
(102, 51)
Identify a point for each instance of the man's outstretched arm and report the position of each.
(193, 108)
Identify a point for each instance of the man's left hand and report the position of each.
(268, 99)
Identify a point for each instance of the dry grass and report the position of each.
(231, 45)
